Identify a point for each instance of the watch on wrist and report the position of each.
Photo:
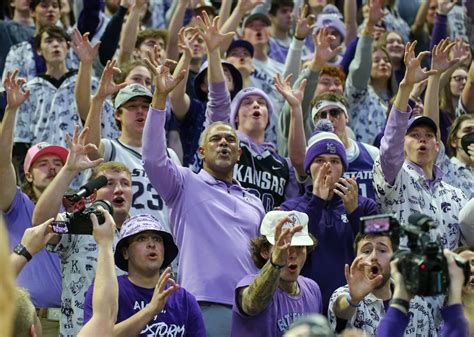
(276, 266)
(21, 250)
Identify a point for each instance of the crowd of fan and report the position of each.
(242, 141)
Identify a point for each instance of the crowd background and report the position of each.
(206, 117)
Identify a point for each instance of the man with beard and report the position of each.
(363, 301)
(267, 303)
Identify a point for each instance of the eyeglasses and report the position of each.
(333, 112)
(459, 78)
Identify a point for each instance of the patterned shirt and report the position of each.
(424, 320)
(21, 56)
(458, 174)
(50, 112)
(78, 255)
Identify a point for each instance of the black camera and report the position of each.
(423, 265)
(79, 222)
(78, 218)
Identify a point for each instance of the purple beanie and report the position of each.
(235, 105)
(324, 141)
(330, 20)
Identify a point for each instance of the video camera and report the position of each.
(423, 265)
(78, 215)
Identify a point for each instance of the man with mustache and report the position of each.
(42, 163)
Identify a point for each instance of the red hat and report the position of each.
(41, 149)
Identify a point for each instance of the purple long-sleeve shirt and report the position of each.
(213, 221)
(455, 324)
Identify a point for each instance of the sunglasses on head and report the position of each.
(333, 112)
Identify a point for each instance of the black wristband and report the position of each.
(403, 303)
(299, 38)
(277, 266)
(22, 251)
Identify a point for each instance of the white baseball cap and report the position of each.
(271, 219)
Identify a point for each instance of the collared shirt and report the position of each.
(424, 318)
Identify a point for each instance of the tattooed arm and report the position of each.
(253, 299)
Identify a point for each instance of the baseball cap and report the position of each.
(240, 44)
(41, 149)
(257, 16)
(324, 104)
(129, 92)
(205, 6)
(271, 219)
(422, 120)
(141, 223)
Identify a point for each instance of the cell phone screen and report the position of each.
(377, 225)
(60, 227)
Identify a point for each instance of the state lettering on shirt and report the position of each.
(285, 322)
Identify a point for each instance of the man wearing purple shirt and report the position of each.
(42, 163)
(213, 217)
(150, 302)
(267, 303)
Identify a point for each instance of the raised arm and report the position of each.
(15, 97)
(441, 63)
(392, 144)
(350, 20)
(304, 27)
(218, 106)
(420, 18)
(105, 297)
(360, 286)
(176, 23)
(361, 65)
(180, 101)
(130, 31)
(134, 324)
(111, 36)
(86, 53)
(256, 297)
(296, 135)
(467, 96)
(155, 160)
(107, 87)
(50, 201)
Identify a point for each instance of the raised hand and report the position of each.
(304, 24)
(462, 50)
(283, 241)
(440, 56)
(78, 159)
(245, 6)
(161, 295)
(414, 73)
(37, 237)
(15, 94)
(82, 46)
(105, 232)
(185, 37)
(293, 97)
(107, 86)
(210, 32)
(445, 6)
(357, 280)
(322, 182)
(376, 12)
(165, 82)
(348, 191)
(322, 45)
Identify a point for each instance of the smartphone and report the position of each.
(375, 224)
(467, 140)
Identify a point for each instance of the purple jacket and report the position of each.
(212, 221)
(335, 231)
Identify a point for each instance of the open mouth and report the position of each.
(140, 120)
(374, 272)
(118, 201)
(256, 114)
(422, 148)
(293, 268)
